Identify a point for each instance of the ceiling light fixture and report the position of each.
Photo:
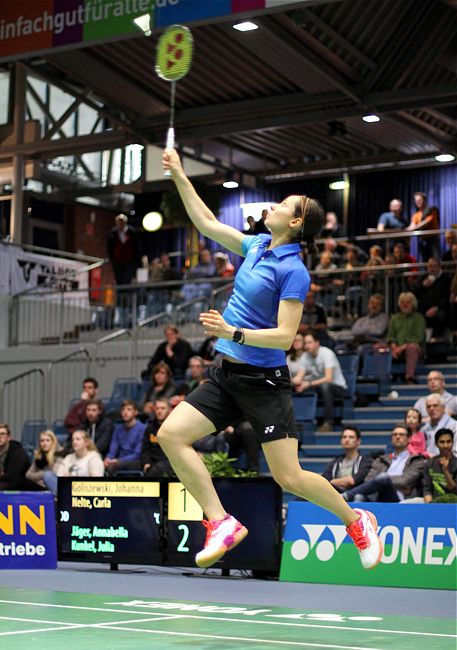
(371, 118)
(444, 157)
(245, 26)
(231, 180)
(338, 185)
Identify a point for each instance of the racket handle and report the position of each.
(170, 144)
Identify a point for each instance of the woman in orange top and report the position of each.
(426, 218)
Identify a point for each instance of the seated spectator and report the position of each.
(153, 460)
(125, 448)
(426, 218)
(401, 256)
(392, 477)
(295, 357)
(260, 227)
(324, 285)
(451, 239)
(437, 386)
(440, 472)
(224, 268)
(321, 373)
(331, 226)
(432, 292)
(417, 443)
(207, 351)
(240, 438)
(371, 328)
(250, 230)
(14, 463)
(98, 426)
(174, 351)
(204, 269)
(46, 457)
(373, 280)
(453, 302)
(169, 273)
(155, 271)
(336, 250)
(393, 219)
(406, 335)
(162, 385)
(84, 461)
(314, 318)
(196, 373)
(438, 419)
(77, 413)
(350, 469)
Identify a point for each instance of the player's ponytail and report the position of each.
(312, 213)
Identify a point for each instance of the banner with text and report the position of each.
(420, 546)
(28, 27)
(21, 270)
(27, 531)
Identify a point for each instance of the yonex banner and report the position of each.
(420, 546)
(29, 26)
(27, 531)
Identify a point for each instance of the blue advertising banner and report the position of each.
(420, 544)
(27, 531)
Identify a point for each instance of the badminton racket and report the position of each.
(173, 61)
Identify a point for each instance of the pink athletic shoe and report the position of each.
(365, 537)
(221, 536)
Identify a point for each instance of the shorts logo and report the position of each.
(269, 429)
(277, 373)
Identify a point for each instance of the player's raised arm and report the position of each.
(199, 213)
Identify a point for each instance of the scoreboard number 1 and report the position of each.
(182, 506)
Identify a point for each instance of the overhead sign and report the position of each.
(420, 545)
(28, 27)
(27, 531)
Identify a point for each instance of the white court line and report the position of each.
(35, 620)
(240, 638)
(43, 629)
(239, 620)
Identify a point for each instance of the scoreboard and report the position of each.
(141, 521)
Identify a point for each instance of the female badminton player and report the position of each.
(258, 325)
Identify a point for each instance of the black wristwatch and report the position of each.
(238, 336)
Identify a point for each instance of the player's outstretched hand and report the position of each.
(215, 325)
(171, 161)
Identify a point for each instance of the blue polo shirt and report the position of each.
(264, 279)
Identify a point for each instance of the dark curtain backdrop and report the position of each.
(370, 194)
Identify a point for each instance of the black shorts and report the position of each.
(239, 391)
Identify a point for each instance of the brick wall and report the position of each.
(89, 228)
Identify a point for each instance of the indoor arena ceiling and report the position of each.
(287, 99)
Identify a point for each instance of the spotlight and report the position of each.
(152, 221)
(371, 118)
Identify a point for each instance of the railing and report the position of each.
(64, 376)
(22, 398)
(60, 317)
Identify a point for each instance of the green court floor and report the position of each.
(36, 620)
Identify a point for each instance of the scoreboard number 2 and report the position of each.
(181, 505)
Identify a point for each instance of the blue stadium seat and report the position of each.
(348, 361)
(377, 366)
(59, 429)
(125, 388)
(31, 430)
(305, 412)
